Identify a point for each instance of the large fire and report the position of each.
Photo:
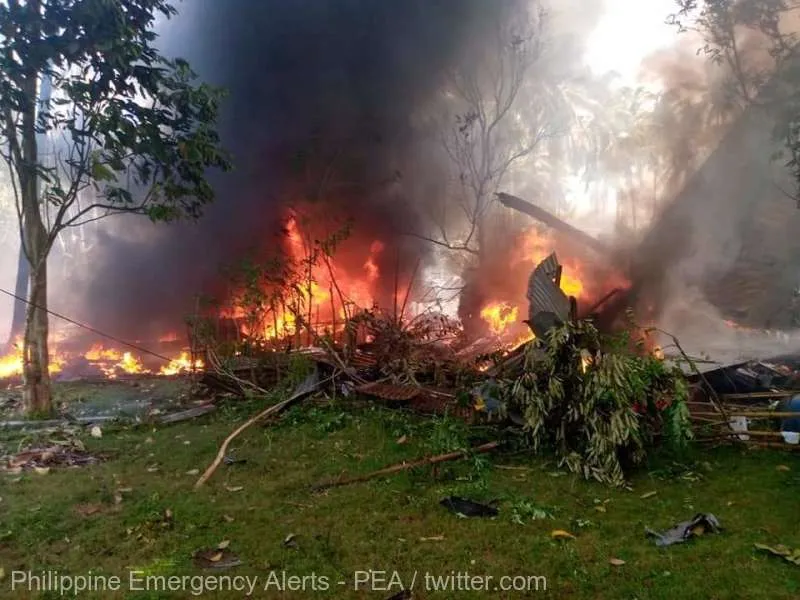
(325, 288)
(325, 292)
(11, 363)
(585, 282)
(499, 315)
(111, 362)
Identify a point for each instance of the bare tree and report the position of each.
(488, 136)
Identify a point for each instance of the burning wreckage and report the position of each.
(599, 400)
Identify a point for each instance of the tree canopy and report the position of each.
(128, 123)
(131, 130)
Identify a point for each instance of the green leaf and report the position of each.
(101, 172)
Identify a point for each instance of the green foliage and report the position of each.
(447, 434)
(134, 129)
(599, 410)
(524, 511)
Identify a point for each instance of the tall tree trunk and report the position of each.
(36, 393)
(36, 376)
(35, 365)
(21, 290)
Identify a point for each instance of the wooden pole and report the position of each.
(752, 414)
(771, 394)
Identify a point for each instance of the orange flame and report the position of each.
(532, 247)
(499, 316)
(11, 364)
(371, 267)
(97, 353)
(325, 292)
(131, 365)
(535, 246)
(111, 361)
(181, 364)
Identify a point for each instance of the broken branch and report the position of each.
(406, 466)
(304, 389)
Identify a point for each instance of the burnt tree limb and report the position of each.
(551, 220)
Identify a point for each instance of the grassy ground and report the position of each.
(148, 518)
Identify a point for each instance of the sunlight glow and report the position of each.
(628, 32)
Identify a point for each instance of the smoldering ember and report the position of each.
(408, 294)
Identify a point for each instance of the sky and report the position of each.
(629, 31)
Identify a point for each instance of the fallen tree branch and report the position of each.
(308, 386)
(406, 466)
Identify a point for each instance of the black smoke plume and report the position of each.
(318, 91)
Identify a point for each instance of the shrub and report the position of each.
(600, 406)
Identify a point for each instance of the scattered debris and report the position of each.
(40, 460)
(96, 432)
(560, 534)
(616, 562)
(788, 554)
(216, 558)
(185, 415)
(468, 508)
(701, 524)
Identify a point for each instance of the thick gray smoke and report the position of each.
(315, 87)
(721, 262)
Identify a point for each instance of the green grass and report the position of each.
(381, 524)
